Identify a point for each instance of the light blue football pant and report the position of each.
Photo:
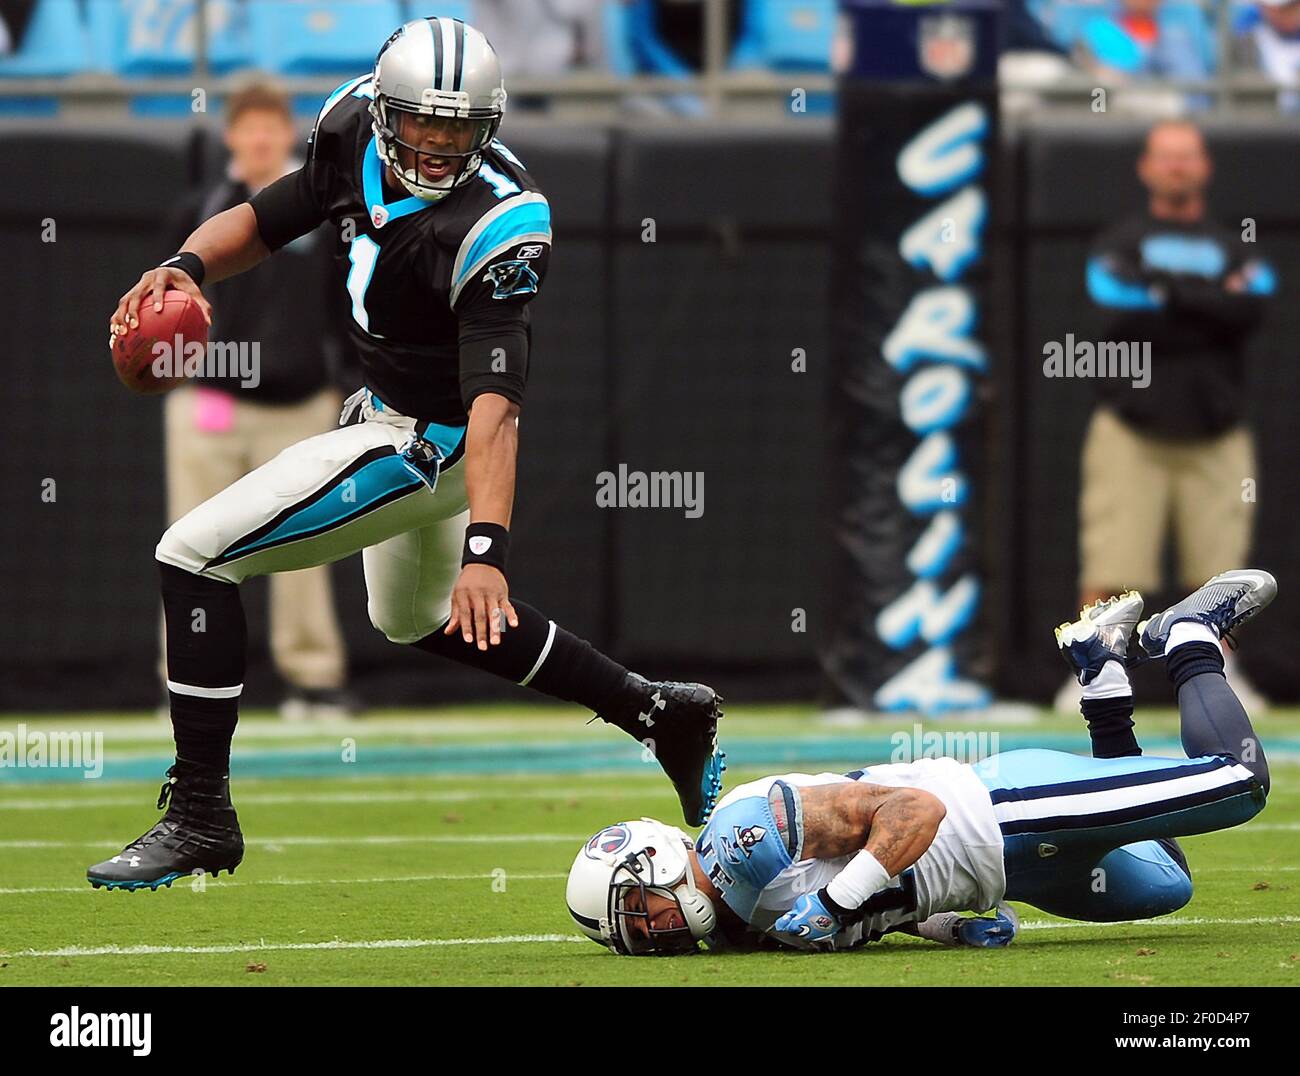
(1081, 835)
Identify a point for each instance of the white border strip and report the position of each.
(205, 692)
(546, 649)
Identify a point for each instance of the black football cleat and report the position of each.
(682, 722)
(199, 833)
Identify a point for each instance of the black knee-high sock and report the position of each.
(206, 640)
(1213, 721)
(1110, 726)
(545, 657)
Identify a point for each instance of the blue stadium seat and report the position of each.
(787, 35)
(315, 37)
(1064, 19)
(158, 38)
(445, 9)
(54, 45)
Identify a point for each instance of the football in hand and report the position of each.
(153, 357)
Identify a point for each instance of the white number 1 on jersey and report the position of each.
(363, 252)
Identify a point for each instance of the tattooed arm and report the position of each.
(896, 825)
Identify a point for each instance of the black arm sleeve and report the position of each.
(291, 206)
(494, 354)
(494, 331)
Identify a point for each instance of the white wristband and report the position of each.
(855, 884)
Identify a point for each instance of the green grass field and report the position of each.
(432, 849)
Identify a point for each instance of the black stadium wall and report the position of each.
(670, 355)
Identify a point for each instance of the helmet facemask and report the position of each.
(432, 149)
(629, 881)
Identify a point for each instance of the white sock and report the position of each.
(1190, 631)
(1110, 683)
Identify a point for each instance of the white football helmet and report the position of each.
(634, 859)
(441, 73)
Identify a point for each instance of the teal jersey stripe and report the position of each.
(371, 483)
(515, 223)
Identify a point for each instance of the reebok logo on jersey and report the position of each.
(479, 544)
(378, 216)
(531, 250)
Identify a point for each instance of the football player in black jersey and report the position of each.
(445, 239)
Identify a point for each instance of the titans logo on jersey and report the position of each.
(742, 849)
(434, 289)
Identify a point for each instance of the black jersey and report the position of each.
(1163, 282)
(438, 289)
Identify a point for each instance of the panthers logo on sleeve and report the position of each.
(515, 277)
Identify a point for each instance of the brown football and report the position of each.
(152, 357)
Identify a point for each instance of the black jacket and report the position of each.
(1162, 281)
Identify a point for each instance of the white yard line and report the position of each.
(502, 792)
(520, 939)
(343, 841)
(232, 884)
(262, 947)
(1192, 921)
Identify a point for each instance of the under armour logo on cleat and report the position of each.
(133, 861)
(656, 704)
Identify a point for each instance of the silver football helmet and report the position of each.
(614, 874)
(438, 102)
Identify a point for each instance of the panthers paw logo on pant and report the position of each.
(511, 278)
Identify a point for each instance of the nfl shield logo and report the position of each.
(946, 45)
(378, 215)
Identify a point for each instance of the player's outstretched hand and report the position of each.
(479, 602)
(990, 932)
(807, 921)
(150, 288)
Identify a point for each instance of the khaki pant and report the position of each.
(1134, 485)
(306, 644)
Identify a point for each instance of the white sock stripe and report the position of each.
(205, 692)
(1104, 801)
(1111, 683)
(1190, 631)
(546, 649)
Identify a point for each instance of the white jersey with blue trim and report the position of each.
(761, 871)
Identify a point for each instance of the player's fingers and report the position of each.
(481, 619)
(204, 305)
(465, 610)
(133, 303)
(512, 618)
(453, 620)
(495, 620)
(156, 291)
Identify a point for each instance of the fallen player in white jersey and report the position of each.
(831, 861)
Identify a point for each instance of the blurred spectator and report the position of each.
(665, 38)
(1145, 40)
(1272, 27)
(14, 17)
(542, 38)
(1025, 33)
(1031, 59)
(222, 427)
(1176, 447)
